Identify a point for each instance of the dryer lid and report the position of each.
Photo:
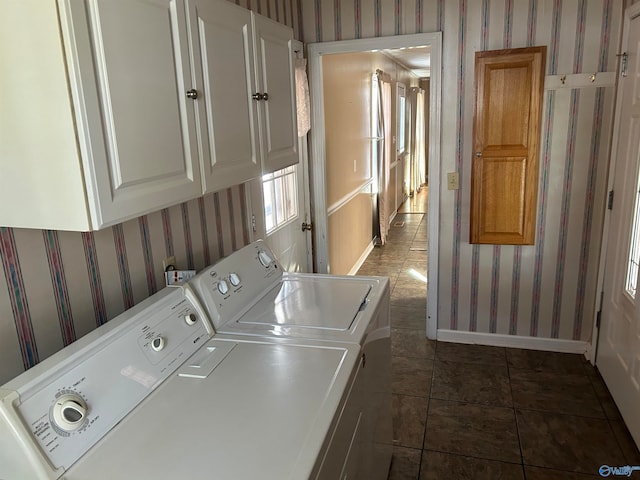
(310, 302)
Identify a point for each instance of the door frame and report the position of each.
(318, 154)
(592, 348)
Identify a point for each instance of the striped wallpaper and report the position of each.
(57, 286)
(547, 290)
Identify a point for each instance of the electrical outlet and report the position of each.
(169, 262)
(452, 181)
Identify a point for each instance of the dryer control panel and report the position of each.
(80, 394)
(232, 285)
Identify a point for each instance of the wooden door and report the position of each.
(504, 183)
(129, 72)
(222, 49)
(618, 356)
(275, 72)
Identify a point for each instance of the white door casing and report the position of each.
(618, 357)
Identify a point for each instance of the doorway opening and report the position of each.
(336, 193)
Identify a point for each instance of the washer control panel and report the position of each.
(82, 397)
(229, 286)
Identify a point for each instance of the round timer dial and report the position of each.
(69, 412)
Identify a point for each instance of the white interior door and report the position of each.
(619, 340)
(279, 203)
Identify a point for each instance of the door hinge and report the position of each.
(624, 63)
(253, 223)
(610, 201)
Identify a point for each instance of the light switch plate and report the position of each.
(452, 181)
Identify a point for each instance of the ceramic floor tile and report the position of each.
(411, 376)
(409, 419)
(606, 401)
(626, 442)
(471, 383)
(405, 317)
(405, 464)
(553, 392)
(458, 352)
(409, 299)
(411, 343)
(546, 361)
(536, 473)
(438, 466)
(472, 430)
(565, 442)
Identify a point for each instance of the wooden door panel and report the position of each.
(501, 179)
(506, 126)
(504, 174)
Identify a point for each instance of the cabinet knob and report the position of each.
(257, 96)
(192, 94)
(265, 96)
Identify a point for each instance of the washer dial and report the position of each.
(69, 412)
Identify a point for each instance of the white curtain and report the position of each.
(383, 151)
(302, 97)
(417, 164)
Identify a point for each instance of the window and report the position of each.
(630, 284)
(280, 192)
(401, 118)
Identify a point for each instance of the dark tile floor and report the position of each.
(476, 412)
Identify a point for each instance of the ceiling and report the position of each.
(415, 59)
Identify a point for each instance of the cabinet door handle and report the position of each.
(257, 96)
(192, 94)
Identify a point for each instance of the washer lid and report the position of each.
(320, 303)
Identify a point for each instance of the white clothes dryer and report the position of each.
(248, 293)
(152, 395)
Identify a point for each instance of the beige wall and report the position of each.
(347, 108)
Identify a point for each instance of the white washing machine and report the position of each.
(153, 395)
(248, 293)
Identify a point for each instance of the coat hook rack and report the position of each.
(563, 79)
(580, 80)
(592, 77)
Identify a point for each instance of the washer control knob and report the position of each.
(69, 412)
(158, 343)
(191, 319)
(223, 287)
(234, 279)
(265, 258)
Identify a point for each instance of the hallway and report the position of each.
(485, 413)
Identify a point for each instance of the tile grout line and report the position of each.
(515, 416)
(426, 420)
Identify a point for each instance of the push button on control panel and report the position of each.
(223, 287)
(234, 279)
(265, 258)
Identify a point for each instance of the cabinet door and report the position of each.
(274, 67)
(222, 50)
(129, 71)
(504, 183)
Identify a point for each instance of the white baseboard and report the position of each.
(361, 260)
(513, 341)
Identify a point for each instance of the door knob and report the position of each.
(258, 96)
(306, 226)
(478, 154)
(192, 94)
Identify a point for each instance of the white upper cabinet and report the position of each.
(244, 66)
(111, 109)
(275, 80)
